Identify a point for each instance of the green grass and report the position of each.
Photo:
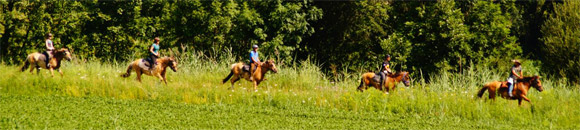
(92, 95)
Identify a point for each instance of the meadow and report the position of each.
(299, 96)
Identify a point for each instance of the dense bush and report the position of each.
(351, 36)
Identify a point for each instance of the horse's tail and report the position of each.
(228, 77)
(362, 83)
(231, 73)
(26, 64)
(482, 90)
(128, 73)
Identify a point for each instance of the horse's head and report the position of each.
(270, 65)
(536, 83)
(406, 78)
(172, 63)
(65, 53)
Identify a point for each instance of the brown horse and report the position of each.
(371, 79)
(520, 88)
(238, 72)
(159, 71)
(38, 60)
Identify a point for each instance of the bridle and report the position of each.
(405, 80)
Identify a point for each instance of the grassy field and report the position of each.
(92, 95)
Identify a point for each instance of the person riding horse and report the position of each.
(254, 61)
(49, 49)
(385, 69)
(515, 73)
(153, 53)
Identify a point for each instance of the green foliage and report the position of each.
(562, 41)
(343, 36)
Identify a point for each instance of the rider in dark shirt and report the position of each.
(385, 69)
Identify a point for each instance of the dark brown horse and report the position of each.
(520, 88)
(159, 71)
(38, 60)
(237, 72)
(371, 79)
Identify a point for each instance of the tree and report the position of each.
(561, 37)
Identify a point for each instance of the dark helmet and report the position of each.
(255, 46)
(388, 56)
(48, 35)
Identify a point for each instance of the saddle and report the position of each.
(377, 77)
(246, 67)
(145, 64)
(46, 57)
(504, 84)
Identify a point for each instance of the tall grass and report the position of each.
(448, 97)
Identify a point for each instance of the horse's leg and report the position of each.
(492, 93)
(38, 70)
(138, 72)
(32, 69)
(162, 79)
(61, 74)
(256, 85)
(520, 101)
(234, 80)
(51, 72)
(526, 98)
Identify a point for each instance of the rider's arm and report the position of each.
(151, 50)
(255, 60)
(514, 73)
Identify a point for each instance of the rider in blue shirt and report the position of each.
(254, 61)
(153, 53)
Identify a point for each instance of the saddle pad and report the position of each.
(377, 77)
(144, 64)
(246, 67)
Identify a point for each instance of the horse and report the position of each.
(158, 71)
(38, 60)
(520, 89)
(237, 72)
(371, 79)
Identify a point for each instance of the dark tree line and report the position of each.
(342, 36)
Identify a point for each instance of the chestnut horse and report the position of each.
(159, 70)
(38, 60)
(371, 79)
(520, 89)
(237, 72)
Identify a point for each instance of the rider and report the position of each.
(254, 61)
(385, 69)
(515, 73)
(49, 48)
(153, 53)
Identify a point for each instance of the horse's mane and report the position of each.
(397, 74)
(526, 78)
(62, 49)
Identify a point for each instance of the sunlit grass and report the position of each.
(447, 97)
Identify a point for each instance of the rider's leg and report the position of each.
(383, 77)
(152, 60)
(47, 59)
(510, 87)
(252, 66)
